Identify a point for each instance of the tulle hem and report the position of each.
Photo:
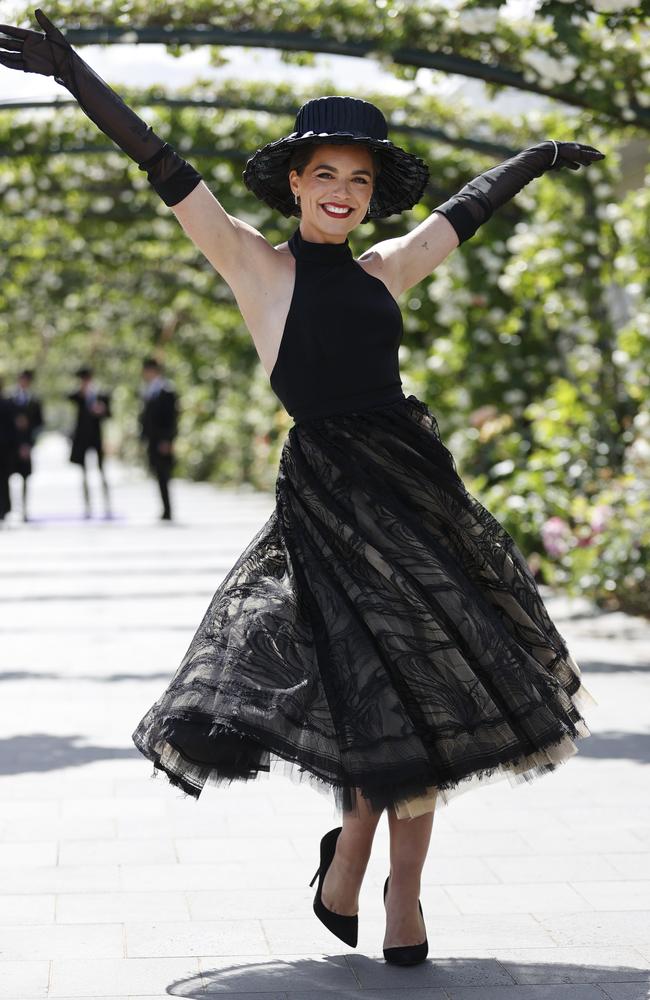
(410, 797)
(526, 769)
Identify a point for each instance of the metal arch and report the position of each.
(425, 131)
(310, 42)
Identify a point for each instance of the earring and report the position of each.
(296, 198)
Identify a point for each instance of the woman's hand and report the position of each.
(30, 51)
(234, 249)
(574, 155)
(51, 54)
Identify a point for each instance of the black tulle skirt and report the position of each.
(381, 632)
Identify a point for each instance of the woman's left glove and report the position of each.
(50, 54)
(475, 203)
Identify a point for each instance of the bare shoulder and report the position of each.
(236, 250)
(380, 262)
(405, 260)
(257, 257)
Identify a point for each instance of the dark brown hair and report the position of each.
(303, 154)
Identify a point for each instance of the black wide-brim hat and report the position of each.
(398, 186)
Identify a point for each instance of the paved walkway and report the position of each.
(116, 886)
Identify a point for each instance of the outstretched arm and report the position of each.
(50, 54)
(225, 241)
(410, 258)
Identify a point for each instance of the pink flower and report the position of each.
(600, 517)
(556, 536)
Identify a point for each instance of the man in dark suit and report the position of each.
(93, 408)
(158, 427)
(8, 435)
(29, 423)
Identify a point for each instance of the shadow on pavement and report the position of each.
(607, 667)
(347, 977)
(617, 746)
(43, 752)
(123, 595)
(32, 675)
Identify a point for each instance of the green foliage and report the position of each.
(591, 53)
(531, 343)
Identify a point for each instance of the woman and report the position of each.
(382, 634)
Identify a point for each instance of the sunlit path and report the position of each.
(117, 886)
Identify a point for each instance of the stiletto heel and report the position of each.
(344, 928)
(410, 954)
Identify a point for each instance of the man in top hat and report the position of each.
(93, 408)
(158, 427)
(28, 414)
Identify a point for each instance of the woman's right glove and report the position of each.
(50, 54)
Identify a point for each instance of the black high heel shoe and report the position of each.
(410, 954)
(345, 928)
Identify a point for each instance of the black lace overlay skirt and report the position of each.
(381, 632)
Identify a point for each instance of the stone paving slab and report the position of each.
(114, 886)
(443, 973)
(553, 897)
(218, 937)
(120, 907)
(23, 979)
(383, 994)
(48, 941)
(605, 928)
(563, 992)
(627, 991)
(309, 973)
(115, 977)
(33, 909)
(574, 965)
(552, 868)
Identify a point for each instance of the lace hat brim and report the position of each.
(399, 185)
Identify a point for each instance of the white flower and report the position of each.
(549, 68)
(478, 20)
(611, 6)
(503, 468)
(513, 10)
(514, 396)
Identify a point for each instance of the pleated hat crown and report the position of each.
(351, 115)
(398, 186)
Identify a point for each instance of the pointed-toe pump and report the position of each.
(410, 954)
(345, 928)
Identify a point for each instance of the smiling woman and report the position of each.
(382, 635)
(335, 182)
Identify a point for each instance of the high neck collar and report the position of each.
(319, 253)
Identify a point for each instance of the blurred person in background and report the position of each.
(28, 413)
(158, 428)
(8, 437)
(92, 409)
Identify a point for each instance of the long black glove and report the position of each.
(475, 203)
(50, 54)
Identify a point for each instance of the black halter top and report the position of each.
(338, 352)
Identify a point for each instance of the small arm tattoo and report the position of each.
(425, 245)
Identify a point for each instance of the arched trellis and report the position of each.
(305, 41)
(497, 149)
